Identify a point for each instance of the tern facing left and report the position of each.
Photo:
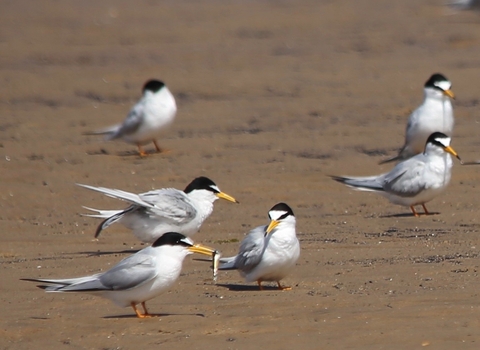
(269, 252)
(153, 213)
(137, 278)
(414, 181)
(435, 114)
(152, 114)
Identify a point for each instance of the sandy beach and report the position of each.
(273, 96)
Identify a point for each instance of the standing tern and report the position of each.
(155, 212)
(269, 252)
(151, 114)
(435, 114)
(414, 181)
(137, 278)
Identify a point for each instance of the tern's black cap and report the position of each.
(171, 238)
(283, 207)
(201, 183)
(435, 137)
(153, 85)
(434, 80)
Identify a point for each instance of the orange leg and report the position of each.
(425, 208)
(134, 307)
(146, 313)
(138, 313)
(157, 147)
(283, 288)
(260, 284)
(141, 152)
(413, 211)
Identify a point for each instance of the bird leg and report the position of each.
(157, 147)
(414, 211)
(138, 313)
(141, 152)
(280, 287)
(260, 284)
(146, 313)
(425, 208)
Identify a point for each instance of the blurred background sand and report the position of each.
(272, 97)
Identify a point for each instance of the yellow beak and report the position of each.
(272, 225)
(450, 150)
(202, 249)
(227, 197)
(449, 93)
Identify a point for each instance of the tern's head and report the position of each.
(153, 86)
(204, 186)
(178, 242)
(439, 143)
(280, 214)
(438, 86)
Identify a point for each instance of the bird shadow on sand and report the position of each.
(203, 260)
(100, 152)
(135, 153)
(408, 215)
(148, 153)
(131, 153)
(99, 253)
(245, 288)
(153, 316)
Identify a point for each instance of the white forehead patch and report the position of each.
(276, 214)
(444, 141)
(187, 240)
(215, 188)
(444, 85)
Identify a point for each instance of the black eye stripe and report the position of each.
(435, 137)
(183, 243)
(213, 189)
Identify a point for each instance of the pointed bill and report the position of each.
(450, 150)
(271, 226)
(227, 197)
(449, 93)
(215, 254)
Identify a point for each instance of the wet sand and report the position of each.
(273, 96)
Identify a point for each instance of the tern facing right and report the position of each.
(414, 181)
(137, 278)
(435, 114)
(269, 252)
(151, 114)
(153, 213)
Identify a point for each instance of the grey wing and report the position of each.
(119, 194)
(251, 249)
(364, 183)
(132, 122)
(406, 179)
(170, 204)
(78, 284)
(129, 273)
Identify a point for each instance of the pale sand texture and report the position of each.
(273, 96)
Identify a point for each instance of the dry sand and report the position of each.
(273, 96)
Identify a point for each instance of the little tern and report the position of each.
(268, 252)
(137, 278)
(153, 213)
